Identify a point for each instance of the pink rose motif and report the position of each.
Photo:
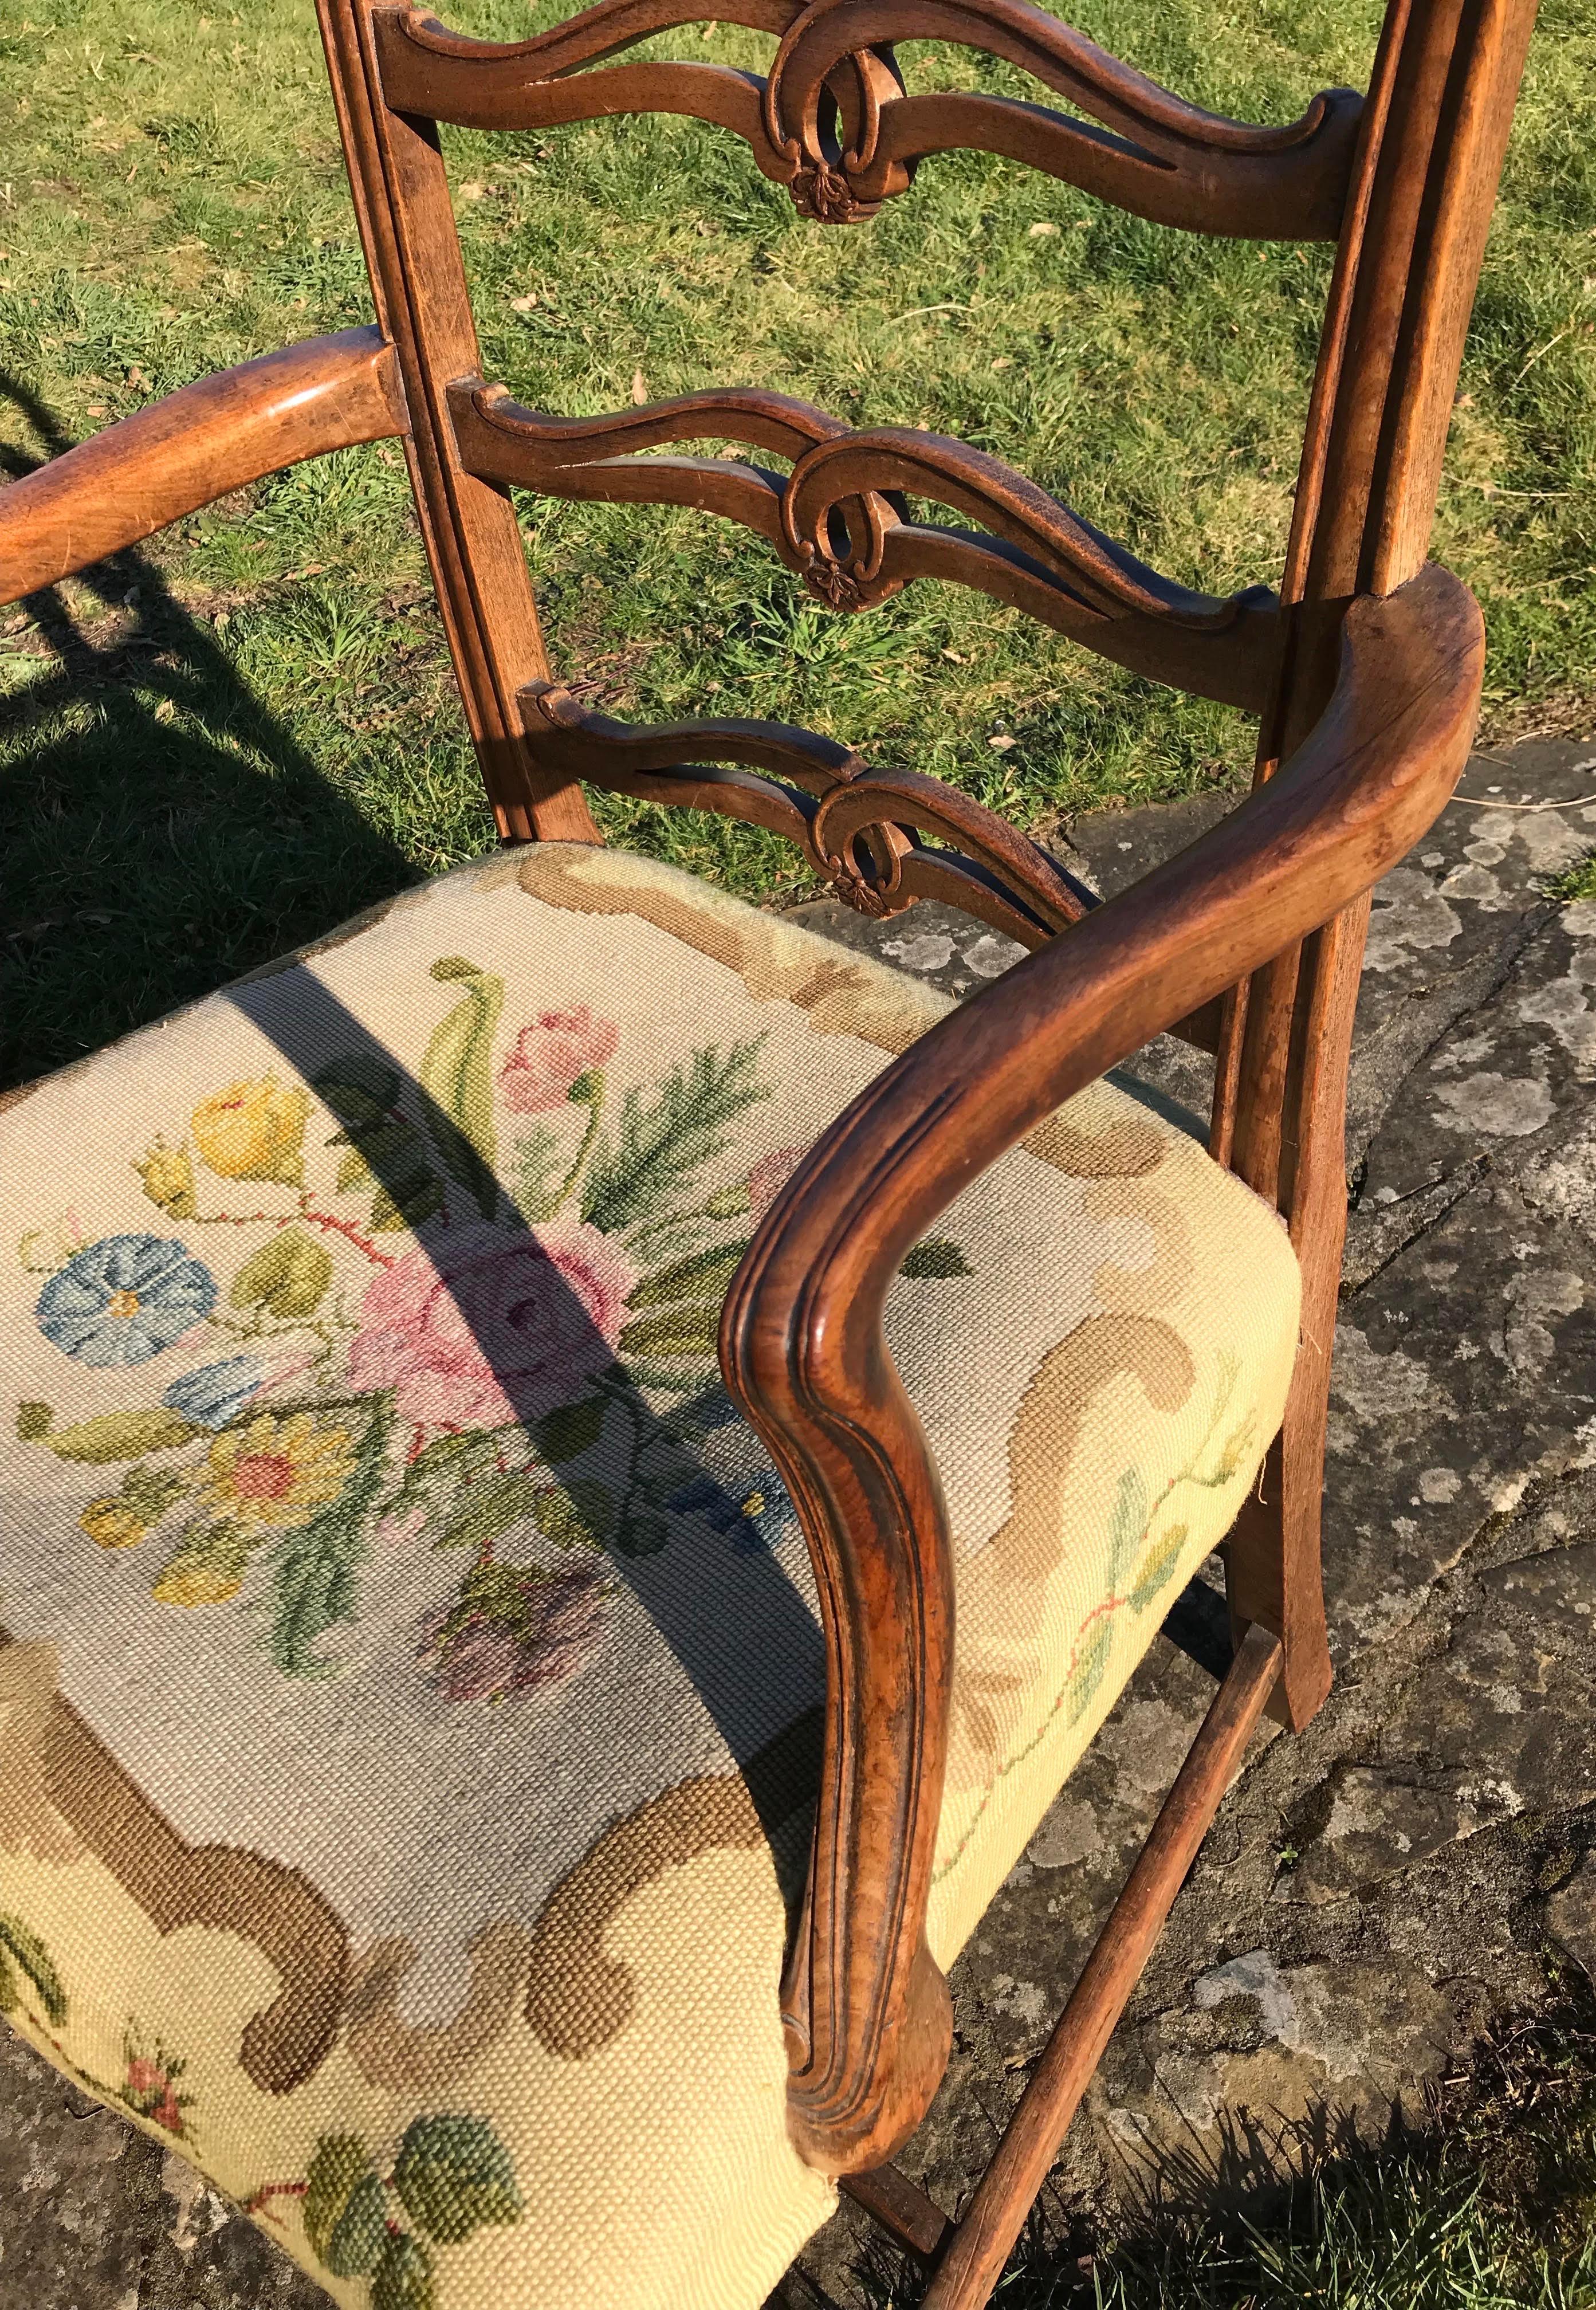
(554, 1052)
(492, 1325)
(770, 1174)
(146, 2077)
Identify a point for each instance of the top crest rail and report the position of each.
(834, 123)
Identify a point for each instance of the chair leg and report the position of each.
(972, 2259)
(1273, 1575)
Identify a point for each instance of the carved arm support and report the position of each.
(801, 1343)
(181, 453)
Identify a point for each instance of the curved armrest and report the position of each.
(802, 1348)
(177, 454)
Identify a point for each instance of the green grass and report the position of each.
(1576, 881)
(1492, 2206)
(265, 737)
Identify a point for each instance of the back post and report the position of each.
(473, 543)
(1434, 135)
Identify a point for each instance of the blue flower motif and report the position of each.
(215, 1392)
(124, 1299)
(752, 1516)
(769, 1518)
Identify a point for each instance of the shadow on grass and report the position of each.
(161, 829)
(1481, 2198)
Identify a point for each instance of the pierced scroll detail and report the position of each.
(835, 124)
(860, 829)
(839, 521)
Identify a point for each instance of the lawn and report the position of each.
(228, 740)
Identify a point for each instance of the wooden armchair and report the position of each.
(491, 1788)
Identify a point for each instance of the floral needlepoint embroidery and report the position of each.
(770, 1175)
(124, 1299)
(113, 1523)
(448, 2178)
(552, 1056)
(216, 1393)
(493, 1326)
(208, 1569)
(513, 1629)
(253, 1131)
(168, 1180)
(277, 1472)
(501, 1366)
(149, 2086)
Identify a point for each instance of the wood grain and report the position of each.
(1040, 556)
(1156, 156)
(181, 453)
(1434, 130)
(473, 542)
(802, 1348)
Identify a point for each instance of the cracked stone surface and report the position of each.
(1421, 1858)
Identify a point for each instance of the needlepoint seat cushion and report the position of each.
(409, 1677)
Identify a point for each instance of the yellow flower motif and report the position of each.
(276, 1474)
(169, 1179)
(196, 1580)
(110, 1523)
(253, 1131)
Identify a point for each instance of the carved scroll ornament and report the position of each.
(834, 123)
(860, 829)
(839, 520)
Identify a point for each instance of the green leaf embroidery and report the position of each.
(287, 1276)
(935, 1255)
(539, 1174)
(315, 1568)
(1129, 1523)
(661, 1379)
(455, 2175)
(123, 1435)
(457, 1075)
(384, 1151)
(34, 1422)
(643, 1532)
(1087, 1675)
(707, 1275)
(340, 2161)
(657, 1149)
(490, 1508)
(689, 1331)
(150, 1491)
(16, 1941)
(361, 2231)
(361, 1089)
(1157, 1566)
(571, 1430)
(580, 1514)
(404, 2276)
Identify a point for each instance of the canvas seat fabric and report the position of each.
(409, 1677)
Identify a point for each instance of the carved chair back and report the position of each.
(1401, 181)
